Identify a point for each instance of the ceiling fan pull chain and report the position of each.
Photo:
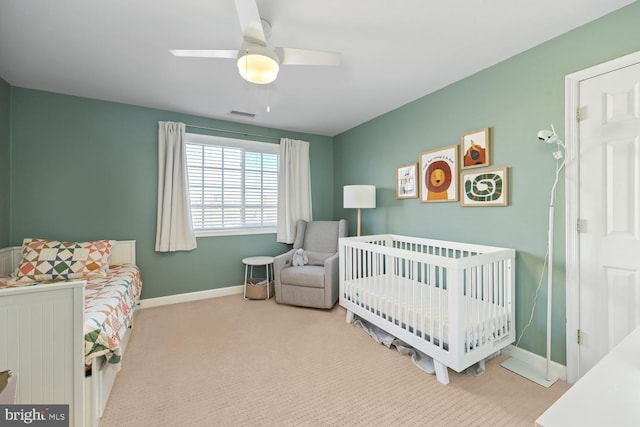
(269, 98)
(246, 65)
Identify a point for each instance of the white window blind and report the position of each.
(233, 185)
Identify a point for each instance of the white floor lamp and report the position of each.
(513, 364)
(361, 197)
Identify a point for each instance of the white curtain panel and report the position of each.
(174, 230)
(294, 187)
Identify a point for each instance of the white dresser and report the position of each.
(607, 395)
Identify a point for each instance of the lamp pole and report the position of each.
(549, 289)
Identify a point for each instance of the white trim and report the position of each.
(606, 67)
(191, 296)
(572, 256)
(236, 232)
(247, 144)
(572, 191)
(538, 363)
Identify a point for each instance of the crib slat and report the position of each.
(422, 288)
(441, 311)
(432, 277)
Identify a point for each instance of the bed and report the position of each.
(77, 331)
(454, 302)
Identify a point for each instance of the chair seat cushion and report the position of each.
(311, 276)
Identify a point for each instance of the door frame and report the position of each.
(572, 192)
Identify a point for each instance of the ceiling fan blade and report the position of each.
(202, 53)
(292, 56)
(250, 22)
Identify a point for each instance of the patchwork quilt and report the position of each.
(109, 303)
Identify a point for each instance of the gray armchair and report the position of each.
(314, 284)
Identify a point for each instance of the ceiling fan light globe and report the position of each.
(258, 65)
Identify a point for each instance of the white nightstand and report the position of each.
(253, 261)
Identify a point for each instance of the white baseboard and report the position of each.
(191, 296)
(539, 363)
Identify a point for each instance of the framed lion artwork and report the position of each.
(439, 175)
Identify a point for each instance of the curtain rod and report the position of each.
(233, 131)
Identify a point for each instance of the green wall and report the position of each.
(5, 127)
(86, 169)
(515, 99)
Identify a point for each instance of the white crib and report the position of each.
(452, 301)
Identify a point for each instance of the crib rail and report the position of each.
(453, 299)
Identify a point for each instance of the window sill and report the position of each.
(236, 232)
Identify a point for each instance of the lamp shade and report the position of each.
(359, 196)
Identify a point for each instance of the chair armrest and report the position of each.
(331, 262)
(282, 261)
(279, 263)
(331, 279)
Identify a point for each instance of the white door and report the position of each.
(608, 212)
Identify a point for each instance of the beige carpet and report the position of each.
(228, 362)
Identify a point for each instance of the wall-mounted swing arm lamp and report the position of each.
(360, 197)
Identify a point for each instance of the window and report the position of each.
(233, 185)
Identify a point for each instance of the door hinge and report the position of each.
(577, 114)
(578, 225)
(578, 336)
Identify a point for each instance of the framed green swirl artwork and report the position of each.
(488, 187)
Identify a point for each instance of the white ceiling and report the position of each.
(393, 52)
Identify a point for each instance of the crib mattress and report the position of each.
(109, 303)
(424, 311)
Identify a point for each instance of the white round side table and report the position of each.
(253, 261)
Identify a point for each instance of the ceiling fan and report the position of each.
(259, 62)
